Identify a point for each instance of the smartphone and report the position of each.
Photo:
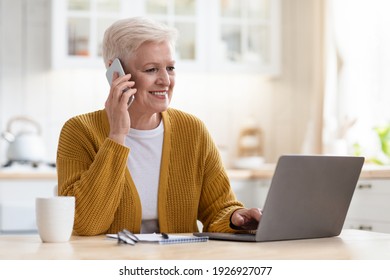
(116, 66)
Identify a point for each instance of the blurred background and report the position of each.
(266, 76)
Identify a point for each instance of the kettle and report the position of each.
(26, 145)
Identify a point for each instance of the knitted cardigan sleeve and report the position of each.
(92, 168)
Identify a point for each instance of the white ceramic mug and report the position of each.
(55, 218)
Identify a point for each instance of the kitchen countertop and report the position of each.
(28, 174)
(264, 173)
(369, 171)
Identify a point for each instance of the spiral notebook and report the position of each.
(158, 238)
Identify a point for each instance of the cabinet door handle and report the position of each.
(364, 186)
(362, 227)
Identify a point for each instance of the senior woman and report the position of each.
(145, 167)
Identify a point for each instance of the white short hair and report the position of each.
(125, 36)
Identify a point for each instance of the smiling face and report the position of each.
(152, 70)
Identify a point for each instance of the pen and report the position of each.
(122, 237)
(164, 235)
(130, 235)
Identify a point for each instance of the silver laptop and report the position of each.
(309, 197)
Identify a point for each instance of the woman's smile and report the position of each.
(159, 93)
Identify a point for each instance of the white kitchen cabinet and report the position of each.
(370, 206)
(214, 35)
(17, 202)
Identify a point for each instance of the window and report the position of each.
(358, 84)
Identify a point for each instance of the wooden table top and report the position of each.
(351, 244)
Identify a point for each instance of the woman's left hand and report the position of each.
(247, 219)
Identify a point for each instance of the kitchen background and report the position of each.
(284, 106)
(310, 76)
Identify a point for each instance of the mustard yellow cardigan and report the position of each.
(193, 183)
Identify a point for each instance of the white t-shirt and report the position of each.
(144, 165)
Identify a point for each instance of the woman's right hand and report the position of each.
(116, 107)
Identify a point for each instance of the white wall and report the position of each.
(283, 107)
